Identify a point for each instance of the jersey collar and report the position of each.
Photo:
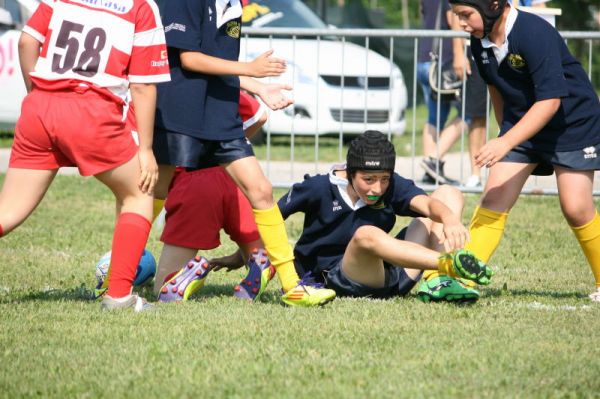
(342, 186)
(226, 13)
(500, 52)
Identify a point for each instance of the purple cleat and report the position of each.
(186, 282)
(260, 272)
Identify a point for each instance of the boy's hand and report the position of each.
(455, 236)
(272, 96)
(229, 262)
(264, 65)
(492, 152)
(149, 171)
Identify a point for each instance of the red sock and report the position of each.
(1, 231)
(129, 241)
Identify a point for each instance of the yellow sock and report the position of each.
(428, 274)
(445, 267)
(486, 230)
(588, 236)
(157, 206)
(272, 231)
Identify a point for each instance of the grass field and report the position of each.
(533, 334)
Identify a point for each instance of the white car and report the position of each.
(13, 14)
(322, 104)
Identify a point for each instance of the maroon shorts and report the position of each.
(71, 128)
(201, 203)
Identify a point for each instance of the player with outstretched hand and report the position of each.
(348, 214)
(197, 120)
(78, 61)
(549, 117)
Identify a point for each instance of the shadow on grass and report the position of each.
(500, 292)
(81, 293)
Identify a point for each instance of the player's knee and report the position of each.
(365, 237)
(449, 195)
(260, 192)
(577, 214)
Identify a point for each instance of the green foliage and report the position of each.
(533, 333)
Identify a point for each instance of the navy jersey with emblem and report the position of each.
(538, 67)
(330, 222)
(197, 104)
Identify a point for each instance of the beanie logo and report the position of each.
(372, 163)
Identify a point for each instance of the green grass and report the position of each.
(533, 334)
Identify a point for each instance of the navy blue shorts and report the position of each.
(178, 149)
(587, 158)
(397, 282)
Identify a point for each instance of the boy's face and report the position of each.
(469, 19)
(371, 185)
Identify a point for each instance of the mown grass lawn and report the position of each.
(533, 334)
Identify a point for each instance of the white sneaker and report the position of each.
(595, 296)
(473, 181)
(136, 302)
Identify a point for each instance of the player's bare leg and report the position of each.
(504, 184)
(132, 227)
(420, 250)
(172, 259)
(576, 200)
(165, 175)
(575, 193)
(22, 191)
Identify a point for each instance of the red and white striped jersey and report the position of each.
(104, 43)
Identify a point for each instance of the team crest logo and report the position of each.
(516, 61)
(233, 29)
(589, 153)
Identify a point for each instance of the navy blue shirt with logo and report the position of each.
(197, 104)
(538, 67)
(330, 223)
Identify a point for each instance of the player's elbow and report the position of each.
(188, 60)
(27, 43)
(552, 104)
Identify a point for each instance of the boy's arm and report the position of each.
(532, 122)
(497, 103)
(455, 235)
(269, 93)
(460, 63)
(29, 52)
(262, 66)
(144, 101)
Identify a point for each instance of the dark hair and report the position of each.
(370, 151)
(484, 7)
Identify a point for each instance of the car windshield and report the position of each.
(279, 14)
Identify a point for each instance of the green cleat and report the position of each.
(445, 289)
(468, 266)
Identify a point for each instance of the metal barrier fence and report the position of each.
(306, 50)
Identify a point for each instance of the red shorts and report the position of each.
(250, 109)
(200, 204)
(71, 128)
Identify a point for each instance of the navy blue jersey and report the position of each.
(330, 221)
(196, 104)
(538, 67)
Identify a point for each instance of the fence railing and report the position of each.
(341, 88)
